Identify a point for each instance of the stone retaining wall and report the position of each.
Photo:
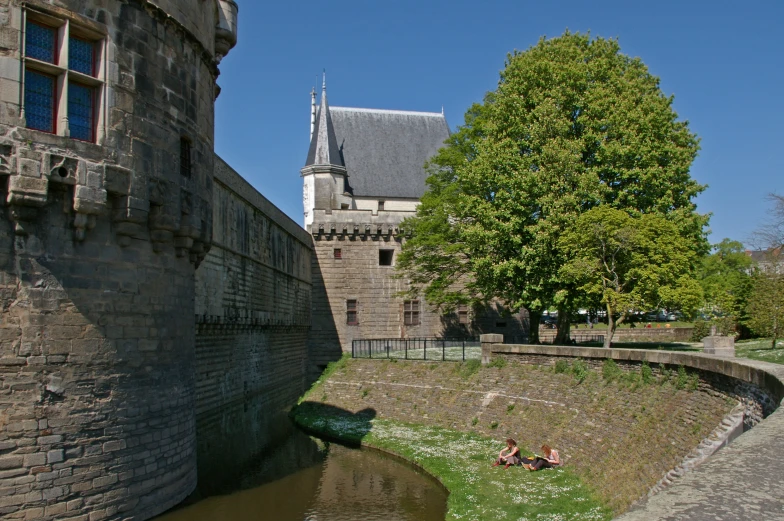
(741, 481)
(641, 334)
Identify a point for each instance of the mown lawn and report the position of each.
(760, 349)
(462, 462)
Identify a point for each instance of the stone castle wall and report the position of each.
(100, 241)
(253, 294)
(357, 275)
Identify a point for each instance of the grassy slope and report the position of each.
(462, 462)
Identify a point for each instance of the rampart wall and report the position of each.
(621, 436)
(253, 294)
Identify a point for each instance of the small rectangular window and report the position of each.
(385, 257)
(81, 111)
(40, 42)
(337, 253)
(352, 317)
(462, 314)
(185, 156)
(500, 324)
(381, 206)
(39, 101)
(411, 312)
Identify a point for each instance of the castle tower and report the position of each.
(106, 167)
(324, 174)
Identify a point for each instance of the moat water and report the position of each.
(306, 479)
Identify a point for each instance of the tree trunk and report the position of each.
(534, 316)
(563, 336)
(610, 327)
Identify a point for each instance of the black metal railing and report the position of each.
(443, 349)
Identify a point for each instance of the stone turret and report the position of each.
(324, 173)
(106, 164)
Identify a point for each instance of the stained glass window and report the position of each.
(40, 42)
(39, 101)
(80, 111)
(50, 91)
(80, 56)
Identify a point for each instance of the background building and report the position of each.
(364, 174)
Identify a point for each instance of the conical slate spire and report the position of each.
(323, 144)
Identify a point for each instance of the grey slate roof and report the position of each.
(384, 151)
(323, 147)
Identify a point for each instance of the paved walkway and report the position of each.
(744, 481)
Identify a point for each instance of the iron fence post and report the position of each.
(425, 350)
(443, 350)
(387, 349)
(463, 350)
(406, 349)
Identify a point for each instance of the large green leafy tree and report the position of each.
(630, 264)
(574, 124)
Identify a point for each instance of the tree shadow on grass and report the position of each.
(334, 423)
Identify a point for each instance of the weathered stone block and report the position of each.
(719, 345)
(55, 456)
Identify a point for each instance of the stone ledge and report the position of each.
(742, 481)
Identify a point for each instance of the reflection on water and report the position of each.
(324, 482)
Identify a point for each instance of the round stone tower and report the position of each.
(106, 168)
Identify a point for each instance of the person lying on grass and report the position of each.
(512, 456)
(551, 459)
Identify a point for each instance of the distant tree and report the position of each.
(766, 305)
(574, 124)
(771, 234)
(630, 264)
(725, 277)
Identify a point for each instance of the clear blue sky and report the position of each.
(723, 61)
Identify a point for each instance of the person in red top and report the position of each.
(510, 455)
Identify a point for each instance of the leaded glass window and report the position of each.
(40, 42)
(39, 101)
(65, 95)
(81, 56)
(80, 111)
